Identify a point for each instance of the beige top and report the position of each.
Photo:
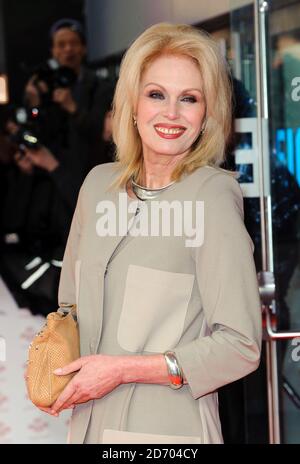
(149, 294)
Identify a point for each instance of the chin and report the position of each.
(172, 152)
(167, 153)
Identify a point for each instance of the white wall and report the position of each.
(114, 24)
(194, 11)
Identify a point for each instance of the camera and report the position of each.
(25, 138)
(24, 133)
(54, 76)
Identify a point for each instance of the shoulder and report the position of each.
(96, 186)
(102, 174)
(221, 193)
(99, 179)
(214, 181)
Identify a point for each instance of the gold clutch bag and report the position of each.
(56, 345)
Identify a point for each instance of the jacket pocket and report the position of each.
(154, 309)
(121, 437)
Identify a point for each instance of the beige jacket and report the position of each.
(143, 295)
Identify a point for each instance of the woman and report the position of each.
(165, 320)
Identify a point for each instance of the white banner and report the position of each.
(20, 421)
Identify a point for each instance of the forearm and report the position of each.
(145, 369)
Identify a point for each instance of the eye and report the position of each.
(189, 99)
(156, 95)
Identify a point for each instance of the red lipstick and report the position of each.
(169, 131)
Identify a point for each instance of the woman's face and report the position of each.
(171, 106)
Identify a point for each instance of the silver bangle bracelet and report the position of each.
(174, 370)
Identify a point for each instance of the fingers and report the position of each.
(70, 394)
(33, 158)
(25, 164)
(21, 156)
(56, 414)
(68, 404)
(43, 158)
(64, 398)
(58, 95)
(69, 368)
(48, 411)
(43, 87)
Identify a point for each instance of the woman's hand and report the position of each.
(97, 376)
(47, 410)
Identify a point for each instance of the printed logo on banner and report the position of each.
(25, 313)
(28, 334)
(20, 421)
(4, 430)
(38, 425)
(3, 400)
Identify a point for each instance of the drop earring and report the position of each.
(202, 130)
(134, 121)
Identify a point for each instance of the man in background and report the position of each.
(69, 103)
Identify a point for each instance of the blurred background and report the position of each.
(59, 64)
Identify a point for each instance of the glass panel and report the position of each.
(284, 67)
(283, 58)
(241, 56)
(284, 105)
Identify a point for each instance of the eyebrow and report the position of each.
(185, 90)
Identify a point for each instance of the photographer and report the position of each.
(59, 143)
(71, 116)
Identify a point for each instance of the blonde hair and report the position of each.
(172, 39)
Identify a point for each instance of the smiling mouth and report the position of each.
(171, 131)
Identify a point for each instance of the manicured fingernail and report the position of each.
(58, 371)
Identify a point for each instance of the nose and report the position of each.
(171, 110)
(68, 47)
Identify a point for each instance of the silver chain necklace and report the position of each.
(145, 193)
